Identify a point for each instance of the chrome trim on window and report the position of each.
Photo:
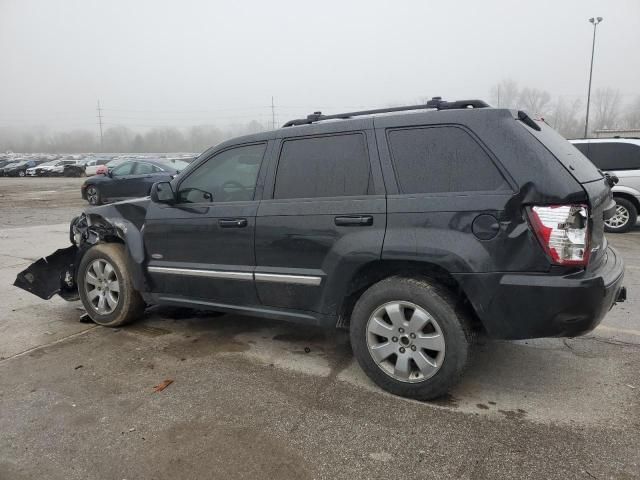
(280, 278)
(191, 272)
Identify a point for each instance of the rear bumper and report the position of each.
(520, 305)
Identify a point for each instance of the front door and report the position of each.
(119, 184)
(202, 247)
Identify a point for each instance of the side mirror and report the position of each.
(162, 192)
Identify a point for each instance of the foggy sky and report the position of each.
(184, 63)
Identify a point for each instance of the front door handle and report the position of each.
(233, 222)
(354, 221)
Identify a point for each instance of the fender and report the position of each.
(58, 273)
(120, 222)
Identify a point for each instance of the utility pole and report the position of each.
(595, 22)
(100, 124)
(273, 115)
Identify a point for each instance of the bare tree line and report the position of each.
(565, 115)
(121, 139)
(568, 116)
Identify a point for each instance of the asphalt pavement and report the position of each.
(251, 398)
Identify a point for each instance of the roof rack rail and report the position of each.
(435, 103)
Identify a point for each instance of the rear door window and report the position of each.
(327, 166)
(612, 155)
(442, 159)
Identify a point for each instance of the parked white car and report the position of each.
(54, 167)
(92, 166)
(621, 157)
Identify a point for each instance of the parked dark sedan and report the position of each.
(130, 179)
(18, 169)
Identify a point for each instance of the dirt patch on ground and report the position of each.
(39, 201)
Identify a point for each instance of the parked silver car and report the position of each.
(621, 157)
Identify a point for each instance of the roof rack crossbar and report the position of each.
(435, 103)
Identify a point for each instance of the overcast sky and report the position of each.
(217, 62)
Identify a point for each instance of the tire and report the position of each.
(447, 332)
(93, 195)
(624, 219)
(21, 173)
(94, 283)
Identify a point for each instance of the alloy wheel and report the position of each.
(619, 219)
(405, 341)
(102, 286)
(92, 195)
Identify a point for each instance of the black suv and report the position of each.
(412, 227)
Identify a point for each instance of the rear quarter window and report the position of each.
(442, 159)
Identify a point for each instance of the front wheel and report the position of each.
(624, 219)
(93, 195)
(105, 286)
(21, 173)
(411, 337)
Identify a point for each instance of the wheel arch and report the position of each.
(373, 272)
(93, 228)
(629, 197)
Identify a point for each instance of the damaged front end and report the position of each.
(57, 273)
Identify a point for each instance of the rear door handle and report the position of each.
(232, 222)
(354, 221)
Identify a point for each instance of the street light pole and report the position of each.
(595, 22)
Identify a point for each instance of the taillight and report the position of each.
(563, 232)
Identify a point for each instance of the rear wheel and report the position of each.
(411, 337)
(93, 195)
(624, 219)
(105, 286)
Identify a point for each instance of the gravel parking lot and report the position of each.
(251, 398)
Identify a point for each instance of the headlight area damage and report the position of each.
(57, 273)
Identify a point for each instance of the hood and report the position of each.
(133, 210)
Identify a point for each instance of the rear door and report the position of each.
(322, 217)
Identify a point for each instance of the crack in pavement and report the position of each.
(45, 345)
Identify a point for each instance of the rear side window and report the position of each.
(442, 159)
(612, 155)
(331, 166)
